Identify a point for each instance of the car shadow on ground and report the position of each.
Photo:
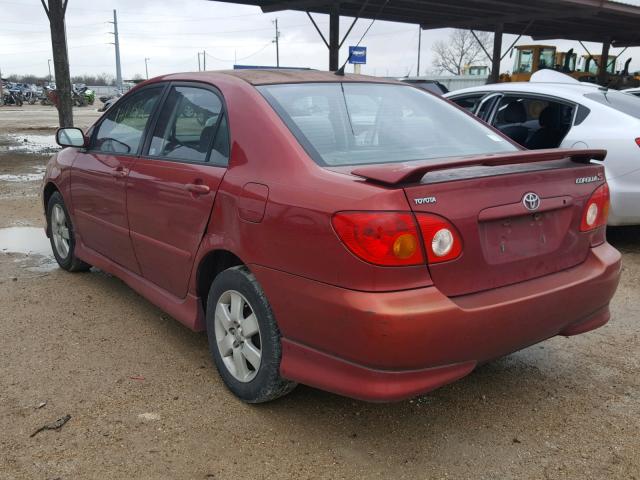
(625, 239)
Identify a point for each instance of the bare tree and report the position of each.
(460, 49)
(56, 10)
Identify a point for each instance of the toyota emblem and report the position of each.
(531, 201)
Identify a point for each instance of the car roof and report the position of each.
(271, 76)
(554, 89)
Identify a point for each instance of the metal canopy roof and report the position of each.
(586, 20)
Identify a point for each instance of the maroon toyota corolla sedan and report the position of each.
(351, 233)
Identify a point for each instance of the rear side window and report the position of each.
(621, 102)
(122, 130)
(365, 123)
(190, 123)
(469, 102)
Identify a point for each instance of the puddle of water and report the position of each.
(32, 143)
(26, 240)
(30, 241)
(24, 177)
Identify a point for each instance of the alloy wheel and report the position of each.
(60, 230)
(237, 335)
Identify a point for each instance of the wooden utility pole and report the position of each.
(56, 10)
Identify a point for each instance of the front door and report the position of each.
(172, 187)
(99, 177)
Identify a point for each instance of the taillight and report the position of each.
(381, 238)
(638, 141)
(442, 241)
(596, 210)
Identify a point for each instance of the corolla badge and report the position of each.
(531, 201)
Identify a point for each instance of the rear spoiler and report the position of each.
(397, 173)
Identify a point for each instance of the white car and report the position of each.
(555, 110)
(632, 91)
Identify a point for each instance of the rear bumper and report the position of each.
(388, 346)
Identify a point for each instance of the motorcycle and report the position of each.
(12, 96)
(82, 95)
(48, 96)
(30, 96)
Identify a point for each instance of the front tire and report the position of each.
(244, 339)
(62, 237)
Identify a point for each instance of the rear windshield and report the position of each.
(618, 101)
(365, 123)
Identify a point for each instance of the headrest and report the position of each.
(515, 113)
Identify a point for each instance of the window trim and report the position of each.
(162, 86)
(495, 98)
(223, 112)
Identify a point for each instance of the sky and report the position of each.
(171, 33)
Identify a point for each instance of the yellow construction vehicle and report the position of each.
(566, 61)
(589, 65)
(531, 58)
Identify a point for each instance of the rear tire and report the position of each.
(244, 339)
(62, 236)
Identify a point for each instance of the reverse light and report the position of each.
(443, 242)
(381, 238)
(597, 209)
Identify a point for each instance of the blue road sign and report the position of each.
(358, 55)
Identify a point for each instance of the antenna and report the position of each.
(340, 71)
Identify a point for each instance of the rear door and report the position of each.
(172, 186)
(99, 176)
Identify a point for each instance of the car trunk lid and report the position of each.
(504, 241)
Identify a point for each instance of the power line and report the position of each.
(49, 50)
(242, 58)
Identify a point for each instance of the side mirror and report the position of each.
(70, 137)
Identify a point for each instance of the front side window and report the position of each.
(190, 123)
(593, 65)
(524, 62)
(364, 123)
(547, 58)
(122, 130)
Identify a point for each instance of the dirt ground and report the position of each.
(146, 402)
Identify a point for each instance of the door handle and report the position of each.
(198, 188)
(119, 172)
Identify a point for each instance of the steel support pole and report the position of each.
(604, 62)
(419, 49)
(334, 39)
(497, 55)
